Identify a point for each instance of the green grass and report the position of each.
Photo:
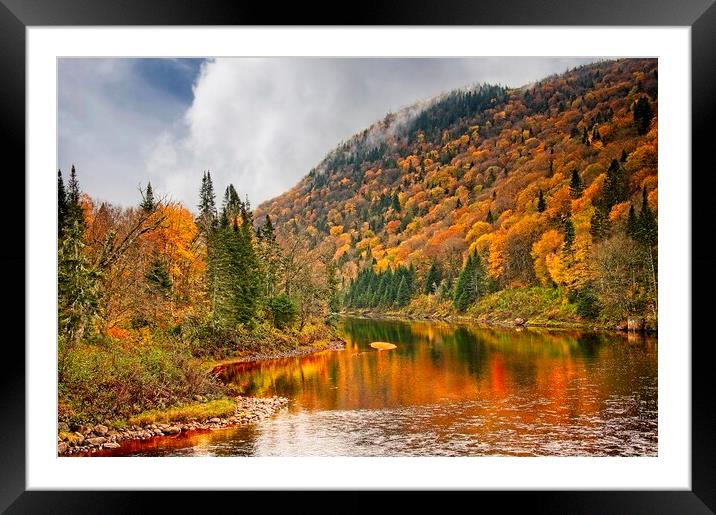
(200, 410)
(535, 304)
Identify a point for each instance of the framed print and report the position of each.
(432, 251)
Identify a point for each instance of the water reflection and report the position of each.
(448, 390)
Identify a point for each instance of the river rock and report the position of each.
(100, 430)
(111, 445)
(172, 430)
(62, 448)
(520, 321)
(97, 440)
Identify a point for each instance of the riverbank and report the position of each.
(90, 439)
(161, 385)
(515, 308)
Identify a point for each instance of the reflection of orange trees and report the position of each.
(533, 373)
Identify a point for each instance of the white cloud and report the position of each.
(260, 124)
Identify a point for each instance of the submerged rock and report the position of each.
(383, 345)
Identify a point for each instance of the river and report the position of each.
(446, 390)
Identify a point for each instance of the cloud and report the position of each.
(258, 123)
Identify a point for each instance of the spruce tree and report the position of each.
(61, 204)
(576, 188)
(490, 219)
(642, 115)
(646, 224)
(615, 187)
(432, 280)
(402, 297)
(148, 204)
(568, 234)
(541, 204)
(471, 283)
(74, 206)
(599, 223)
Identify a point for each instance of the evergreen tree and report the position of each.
(471, 283)
(207, 201)
(432, 280)
(541, 204)
(395, 203)
(647, 228)
(576, 188)
(615, 186)
(74, 206)
(568, 234)
(490, 218)
(642, 115)
(267, 231)
(61, 204)
(148, 204)
(599, 223)
(77, 280)
(623, 157)
(402, 297)
(158, 277)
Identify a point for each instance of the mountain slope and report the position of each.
(463, 173)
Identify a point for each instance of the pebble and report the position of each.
(89, 439)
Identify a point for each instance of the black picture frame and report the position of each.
(700, 15)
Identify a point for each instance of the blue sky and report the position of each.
(260, 123)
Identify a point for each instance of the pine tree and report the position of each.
(61, 204)
(576, 188)
(642, 115)
(623, 157)
(647, 229)
(395, 203)
(568, 235)
(599, 223)
(74, 206)
(432, 280)
(158, 277)
(77, 280)
(471, 283)
(490, 219)
(402, 297)
(267, 231)
(207, 201)
(148, 204)
(615, 187)
(541, 204)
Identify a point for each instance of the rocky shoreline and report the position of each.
(90, 439)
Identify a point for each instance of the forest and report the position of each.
(486, 203)
(150, 293)
(491, 203)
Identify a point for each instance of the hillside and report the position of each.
(544, 185)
